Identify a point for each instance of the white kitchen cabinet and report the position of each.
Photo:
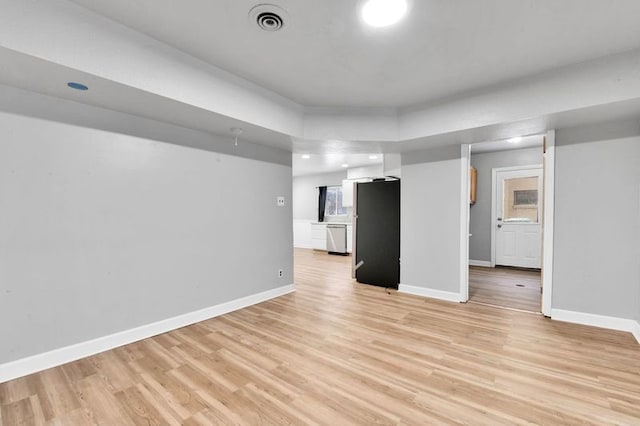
(347, 193)
(319, 236)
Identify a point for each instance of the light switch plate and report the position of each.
(280, 201)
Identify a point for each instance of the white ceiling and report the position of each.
(325, 56)
(508, 144)
(326, 163)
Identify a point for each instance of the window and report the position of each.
(520, 199)
(333, 206)
(527, 197)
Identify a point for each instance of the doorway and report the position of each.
(504, 255)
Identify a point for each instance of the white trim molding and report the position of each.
(548, 221)
(602, 321)
(449, 296)
(483, 263)
(33, 364)
(465, 164)
(636, 331)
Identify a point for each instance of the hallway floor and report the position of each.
(505, 287)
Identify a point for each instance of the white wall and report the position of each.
(104, 232)
(597, 223)
(430, 220)
(480, 213)
(305, 203)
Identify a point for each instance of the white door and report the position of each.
(518, 220)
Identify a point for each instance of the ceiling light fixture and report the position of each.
(382, 13)
(77, 86)
(305, 156)
(515, 140)
(344, 165)
(373, 157)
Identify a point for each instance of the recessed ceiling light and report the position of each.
(373, 157)
(382, 13)
(345, 165)
(515, 140)
(77, 86)
(306, 156)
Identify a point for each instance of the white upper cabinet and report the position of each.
(347, 193)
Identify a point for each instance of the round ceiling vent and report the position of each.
(269, 21)
(268, 17)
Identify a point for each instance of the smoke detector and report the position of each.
(268, 17)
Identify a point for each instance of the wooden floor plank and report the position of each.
(339, 352)
(506, 287)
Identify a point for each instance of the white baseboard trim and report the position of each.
(602, 321)
(484, 263)
(636, 331)
(429, 292)
(33, 364)
(303, 246)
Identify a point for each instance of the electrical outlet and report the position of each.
(280, 201)
(280, 273)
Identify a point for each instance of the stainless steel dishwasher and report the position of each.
(337, 238)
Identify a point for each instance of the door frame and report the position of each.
(494, 199)
(547, 221)
(548, 209)
(465, 164)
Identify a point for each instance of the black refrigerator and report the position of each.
(378, 233)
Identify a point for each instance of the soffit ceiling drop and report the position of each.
(325, 83)
(326, 56)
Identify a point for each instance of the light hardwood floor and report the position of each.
(336, 352)
(508, 287)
